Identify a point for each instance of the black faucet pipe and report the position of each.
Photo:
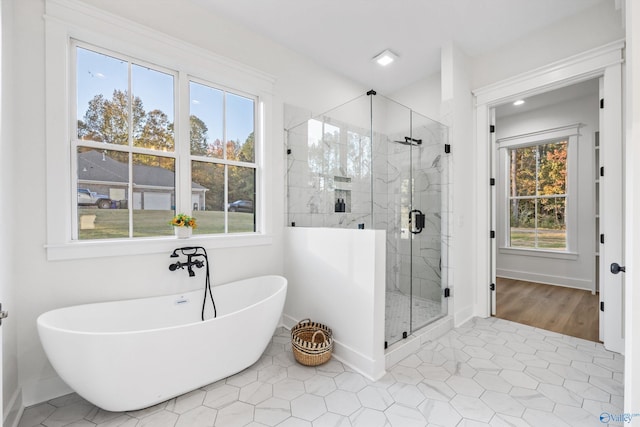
(190, 252)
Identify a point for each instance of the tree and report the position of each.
(198, 136)
(157, 132)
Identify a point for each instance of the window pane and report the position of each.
(240, 128)
(523, 223)
(359, 157)
(552, 228)
(207, 197)
(522, 171)
(242, 191)
(552, 173)
(316, 151)
(152, 110)
(102, 98)
(206, 118)
(153, 195)
(103, 182)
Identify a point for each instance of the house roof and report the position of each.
(94, 165)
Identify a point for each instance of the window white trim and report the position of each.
(70, 19)
(568, 133)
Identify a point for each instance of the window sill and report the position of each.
(542, 253)
(145, 246)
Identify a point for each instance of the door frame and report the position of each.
(605, 61)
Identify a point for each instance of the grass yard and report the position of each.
(547, 238)
(114, 223)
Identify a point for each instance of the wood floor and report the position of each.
(555, 308)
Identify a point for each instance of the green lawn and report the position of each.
(547, 238)
(114, 223)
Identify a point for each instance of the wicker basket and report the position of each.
(312, 343)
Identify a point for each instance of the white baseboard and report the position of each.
(35, 392)
(13, 411)
(370, 368)
(462, 316)
(569, 282)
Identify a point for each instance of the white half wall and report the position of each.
(337, 277)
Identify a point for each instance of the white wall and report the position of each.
(457, 113)
(10, 387)
(576, 272)
(337, 277)
(593, 27)
(41, 285)
(632, 192)
(423, 97)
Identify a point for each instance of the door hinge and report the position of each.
(447, 292)
(447, 148)
(602, 171)
(492, 181)
(386, 345)
(602, 239)
(492, 129)
(405, 335)
(492, 287)
(492, 234)
(601, 305)
(602, 103)
(288, 150)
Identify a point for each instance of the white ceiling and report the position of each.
(568, 93)
(344, 35)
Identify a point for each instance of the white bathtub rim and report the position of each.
(281, 288)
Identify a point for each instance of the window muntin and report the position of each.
(223, 170)
(537, 177)
(132, 141)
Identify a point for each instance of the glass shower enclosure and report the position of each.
(374, 163)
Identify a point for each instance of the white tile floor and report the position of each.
(488, 372)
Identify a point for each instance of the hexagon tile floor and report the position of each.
(488, 372)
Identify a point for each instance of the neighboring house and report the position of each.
(153, 186)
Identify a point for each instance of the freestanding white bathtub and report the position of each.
(127, 355)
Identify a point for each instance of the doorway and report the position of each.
(606, 63)
(546, 197)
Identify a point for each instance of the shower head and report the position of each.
(410, 141)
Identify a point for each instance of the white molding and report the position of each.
(571, 70)
(38, 391)
(546, 279)
(143, 246)
(14, 410)
(540, 136)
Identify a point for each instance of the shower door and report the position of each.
(428, 167)
(409, 202)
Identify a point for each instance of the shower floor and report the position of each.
(397, 315)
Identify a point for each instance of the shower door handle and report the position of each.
(416, 221)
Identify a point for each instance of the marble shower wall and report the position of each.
(332, 158)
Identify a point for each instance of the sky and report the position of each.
(102, 74)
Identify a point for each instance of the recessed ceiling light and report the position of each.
(385, 58)
(518, 102)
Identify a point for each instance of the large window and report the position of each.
(127, 151)
(537, 180)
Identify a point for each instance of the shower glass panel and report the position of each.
(428, 165)
(374, 163)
